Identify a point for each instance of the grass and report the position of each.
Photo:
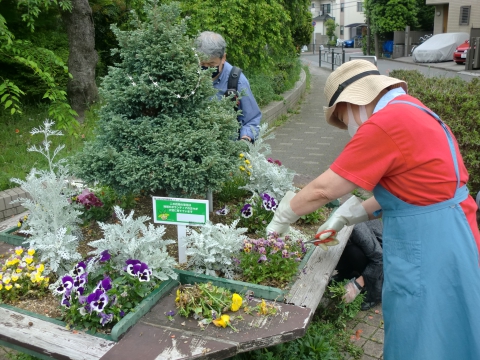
(15, 160)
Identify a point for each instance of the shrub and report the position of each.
(456, 102)
(160, 127)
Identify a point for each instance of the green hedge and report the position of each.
(457, 103)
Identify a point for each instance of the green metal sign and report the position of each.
(177, 211)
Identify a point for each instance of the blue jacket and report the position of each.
(251, 114)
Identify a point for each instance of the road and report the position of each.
(444, 69)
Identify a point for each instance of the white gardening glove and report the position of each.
(351, 291)
(349, 213)
(283, 217)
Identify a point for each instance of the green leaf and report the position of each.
(8, 103)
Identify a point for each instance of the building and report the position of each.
(348, 14)
(455, 15)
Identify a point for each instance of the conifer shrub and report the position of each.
(161, 127)
(456, 102)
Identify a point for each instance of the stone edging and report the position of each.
(269, 114)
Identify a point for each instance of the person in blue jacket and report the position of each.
(213, 45)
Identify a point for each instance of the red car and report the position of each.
(460, 54)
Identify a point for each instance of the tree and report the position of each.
(330, 30)
(301, 21)
(391, 15)
(160, 127)
(82, 59)
(255, 30)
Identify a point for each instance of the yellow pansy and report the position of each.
(222, 321)
(14, 278)
(6, 280)
(247, 161)
(17, 286)
(41, 267)
(31, 252)
(1, 286)
(19, 250)
(18, 270)
(31, 268)
(1, 276)
(236, 302)
(28, 259)
(263, 308)
(19, 224)
(8, 287)
(39, 277)
(178, 296)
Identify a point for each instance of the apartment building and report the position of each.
(348, 14)
(455, 15)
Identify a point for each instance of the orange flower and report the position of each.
(17, 131)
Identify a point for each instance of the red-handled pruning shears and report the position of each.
(323, 243)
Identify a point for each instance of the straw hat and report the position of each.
(357, 82)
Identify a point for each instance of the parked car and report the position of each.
(439, 47)
(349, 43)
(460, 54)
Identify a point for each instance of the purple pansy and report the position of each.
(222, 211)
(246, 211)
(79, 283)
(130, 264)
(66, 298)
(285, 253)
(269, 202)
(66, 285)
(122, 313)
(79, 268)
(261, 250)
(105, 318)
(144, 273)
(262, 258)
(105, 284)
(98, 300)
(278, 162)
(171, 313)
(104, 256)
(88, 199)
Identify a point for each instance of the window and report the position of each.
(465, 15)
(341, 30)
(342, 6)
(359, 6)
(313, 5)
(326, 8)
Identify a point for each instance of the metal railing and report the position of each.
(330, 56)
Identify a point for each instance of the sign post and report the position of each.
(180, 212)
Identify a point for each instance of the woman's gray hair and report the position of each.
(211, 44)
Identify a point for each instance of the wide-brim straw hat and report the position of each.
(357, 82)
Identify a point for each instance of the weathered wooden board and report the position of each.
(49, 339)
(310, 285)
(156, 337)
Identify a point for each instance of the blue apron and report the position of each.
(431, 290)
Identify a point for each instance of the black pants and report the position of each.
(363, 256)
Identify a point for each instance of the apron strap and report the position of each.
(449, 136)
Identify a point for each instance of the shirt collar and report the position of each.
(389, 96)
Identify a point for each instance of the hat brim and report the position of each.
(361, 92)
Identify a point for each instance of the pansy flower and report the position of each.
(105, 318)
(105, 284)
(222, 211)
(236, 302)
(79, 283)
(18, 250)
(278, 162)
(223, 321)
(246, 211)
(79, 268)
(97, 300)
(262, 258)
(67, 284)
(285, 253)
(130, 265)
(144, 273)
(66, 299)
(104, 256)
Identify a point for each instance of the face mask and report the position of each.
(215, 73)
(352, 124)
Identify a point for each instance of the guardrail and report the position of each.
(330, 56)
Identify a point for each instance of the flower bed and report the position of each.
(8, 237)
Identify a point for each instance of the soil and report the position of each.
(49, 305)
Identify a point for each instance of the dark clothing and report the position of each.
(363, 256)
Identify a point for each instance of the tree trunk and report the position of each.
(82, 60)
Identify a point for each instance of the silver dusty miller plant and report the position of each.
(132, 239)
(53, 221)
(265, 176)
(214, 248)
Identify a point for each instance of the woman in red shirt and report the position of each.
(410, 159)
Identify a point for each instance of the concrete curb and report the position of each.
(269, 114)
